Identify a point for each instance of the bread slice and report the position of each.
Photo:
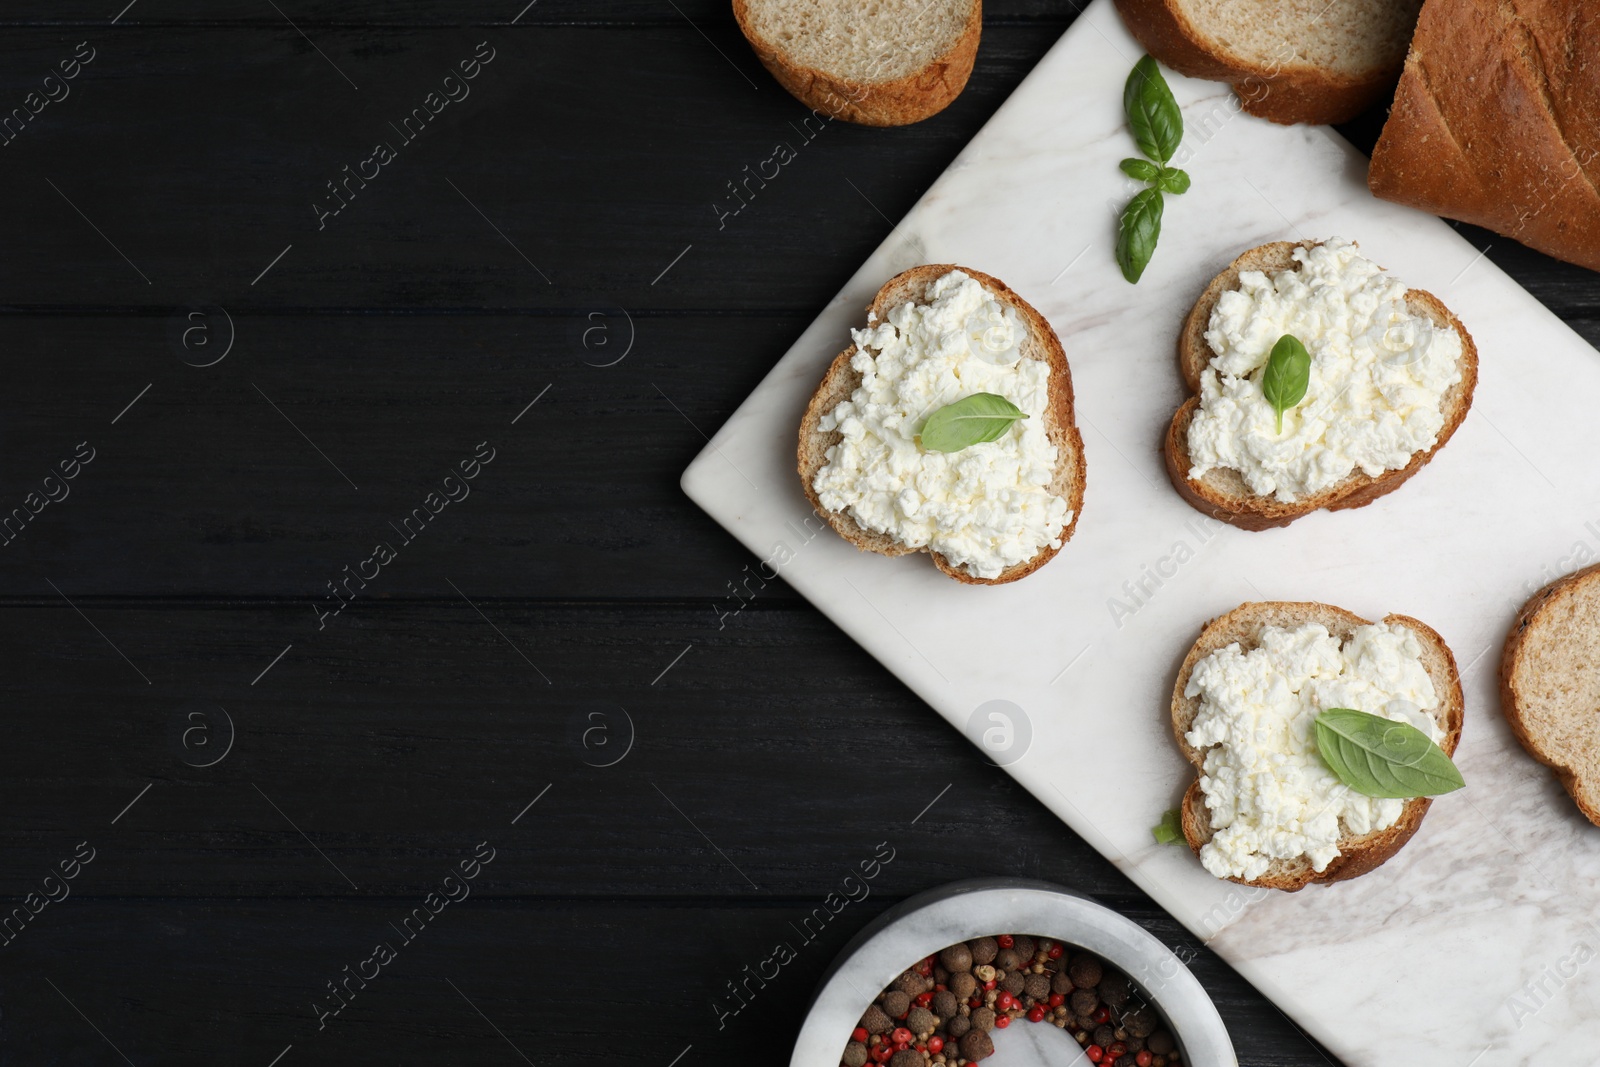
(879, 63)
(1223, 493)
(1497, 122)
(1358, 854)
(1317, 61)
(1550, 683)
(842, 380)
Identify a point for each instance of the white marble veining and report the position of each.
(961, 911)
(1476, 944)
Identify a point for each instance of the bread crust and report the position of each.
(841, 381)
(1515, 706)
(900, 102)
(1496, 122)
(1223, 494)
(1287, 94)
(1358, 854)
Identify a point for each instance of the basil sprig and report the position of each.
(1287, 375)
(1380, 757)
(1170, 829)
(1157, 127)
(972, 420)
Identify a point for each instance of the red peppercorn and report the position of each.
(884, 1053)
(1036, 1014)
(924, 999)
(925, 968)
(1055, 952)
(939, 987)
(1117, 1050)
(1003, 1002)
(860, 1035)
(1143, 1058)
(1006, 940)
(1002, 1021)
(902, 1036)
(989, 984)
(1102, 1014)
(1057, 999)
(1095, 1053)
(936, 1044)
(975, 1002)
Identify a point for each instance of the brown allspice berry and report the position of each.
(1014, 983)
(855, 1054)
(958, 957)
(1025, 946)
(1084, 1002)
(1104, 1035)
(1141, 1023)
(1161, 1043)
(940, 976)
(1037, 986)
(983, 949)
(1060, 983)
(963, 985)
(910, 982)
(921, 1021)
(983, 1019)
(945, 1004)
(876, 1021)
(896, 1004)
(1085, 971)
(958, 1026)
(907, 1057)
(975, 1045)
(1008, 959)
(1114, 989)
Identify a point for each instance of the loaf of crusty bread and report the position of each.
(1497, 122)
(1306, 61)
(841, 382)
(1550, 687)
(1222, 493)
(884, 63)
(1358, 853)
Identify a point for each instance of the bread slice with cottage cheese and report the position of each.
(841, 381)
(1222, 492)
(1549, 687)
(1244, 625)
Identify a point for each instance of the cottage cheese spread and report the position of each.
(1270, 795)
(1378, 373)
(985, 508)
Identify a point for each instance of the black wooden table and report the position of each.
(350, 599)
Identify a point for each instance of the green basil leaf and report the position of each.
(1172, 180)
(1138, 233)
(1141, 169)
(1287, 375)
(1153, 114)
(1379, 757)
(1170, 831)
(969, 421)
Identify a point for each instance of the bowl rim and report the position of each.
(875, 956)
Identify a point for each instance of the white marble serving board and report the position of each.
(1475, 946)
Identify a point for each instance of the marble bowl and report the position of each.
(960, 911)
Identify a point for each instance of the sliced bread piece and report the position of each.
(879, 63)
(1550, 683)
(841, 382)
(1289, 60)
(1358, 853)
(1222, 493)
(1497, 122)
